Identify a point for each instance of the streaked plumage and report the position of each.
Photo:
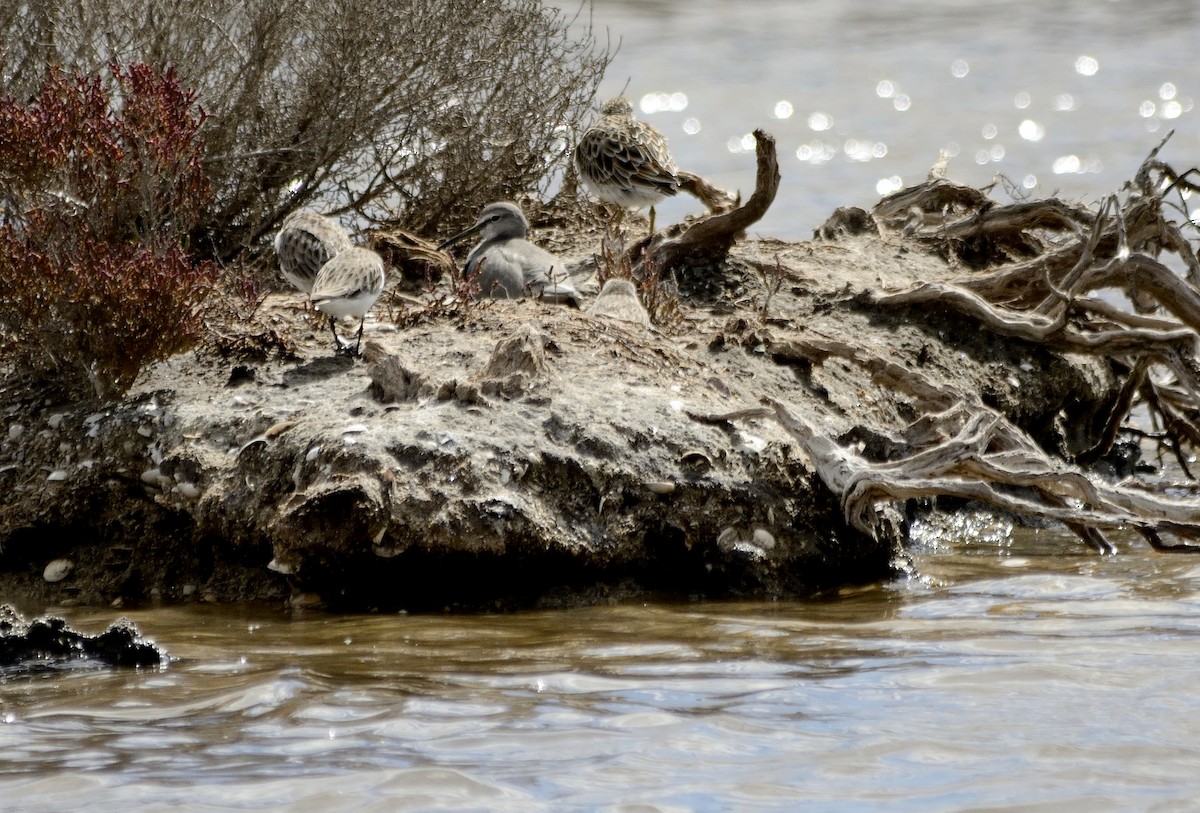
(508, 266)
(305, 242)
(348, 285)
(625, 161)
(619, 300)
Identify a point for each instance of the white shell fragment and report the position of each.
(762, 538)
(280, 567)
(156, 479)
(57, 570)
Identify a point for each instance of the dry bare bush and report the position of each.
(416, 111)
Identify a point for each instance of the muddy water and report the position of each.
(1015, 672)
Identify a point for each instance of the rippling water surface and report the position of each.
(1018, 673)
(1060, 98)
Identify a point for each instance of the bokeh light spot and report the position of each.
(816, 152)
(1031, 130)
(887, 186)
(663, 102)
(1066, 165)
(819, 122)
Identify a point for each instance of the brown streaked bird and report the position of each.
(618, 299)
(506, 265)
(305, 242)
(624, 161)
(348, 285)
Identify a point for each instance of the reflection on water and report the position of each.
(1012, 672)
(1059, 98)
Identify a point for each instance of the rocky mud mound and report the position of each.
(766, 441)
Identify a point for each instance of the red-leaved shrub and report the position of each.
(100, 182)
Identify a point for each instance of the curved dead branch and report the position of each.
(715, 199)
(1036, 328)
(709, 239)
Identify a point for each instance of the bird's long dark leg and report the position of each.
(651, 221)
(358, 338)
(337, 342)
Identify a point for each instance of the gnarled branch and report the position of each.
(709, 239)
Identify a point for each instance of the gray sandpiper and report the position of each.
(508, 266)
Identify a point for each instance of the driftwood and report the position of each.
(1032, 271)
(412, 260)
(715, 199)
(1054, 299)
(709, 239)
(974, 453)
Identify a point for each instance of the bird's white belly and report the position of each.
(350, 306)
